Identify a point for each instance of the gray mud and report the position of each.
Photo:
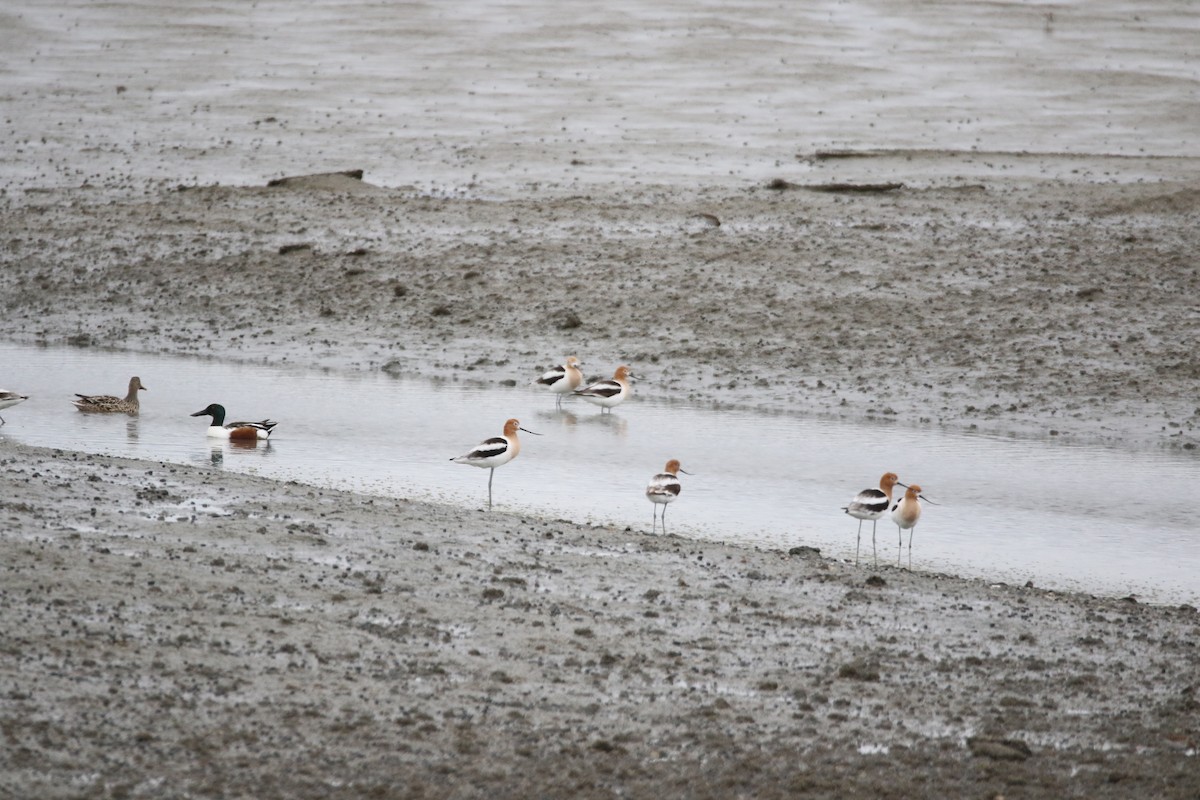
(180, 632)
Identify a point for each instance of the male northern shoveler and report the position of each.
(495, 452)
(562, 379)
(241, 431)
(607, 394)
(664, 488)
(872, 504)
(905, 514)
(108, 404)
(9, 399)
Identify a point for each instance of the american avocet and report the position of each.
(905, 514)
(664, 488)
(607, 394)
(108, 404)
(562, 379)
(9, 399)
(872, 504)
(495, 452)
(218, 428)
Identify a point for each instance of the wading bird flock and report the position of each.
(566, 379)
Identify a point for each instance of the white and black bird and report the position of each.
(664, 489)
(609, 393)
(562, 379)
(218, 428)
(872, 504)
(9, 399)
(495, 452)
(906, 513)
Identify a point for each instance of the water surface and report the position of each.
(1099, 519)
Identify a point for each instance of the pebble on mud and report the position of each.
(859, 670)
(999, 749)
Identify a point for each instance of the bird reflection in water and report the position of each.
(236, 447)
(561, 416)
(614, 422)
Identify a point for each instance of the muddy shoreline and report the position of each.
(185, 632)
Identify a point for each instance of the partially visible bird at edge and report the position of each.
(9, 399)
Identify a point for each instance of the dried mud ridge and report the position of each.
(183, 632)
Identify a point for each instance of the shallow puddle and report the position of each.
(1103, 520)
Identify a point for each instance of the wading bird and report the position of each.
(9, 399)
(108, 404)
(609, 393)
(218, 428)
(663, 489)
(872, 504)
(495, 452)
(562, 379)
(906, 513)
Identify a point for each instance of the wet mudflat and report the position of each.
(194, 632)
(1022, 264)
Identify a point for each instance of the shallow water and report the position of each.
(1103, 520)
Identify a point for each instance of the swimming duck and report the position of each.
(220, 429)
(108, 404)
